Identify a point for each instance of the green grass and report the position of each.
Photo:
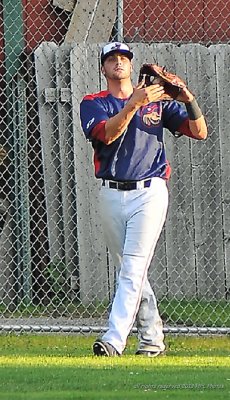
(53, 367)
(196, 312)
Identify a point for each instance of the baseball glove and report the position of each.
(153, 73)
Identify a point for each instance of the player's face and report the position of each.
(117, 67)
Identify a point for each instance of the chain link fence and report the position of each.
(55, 271)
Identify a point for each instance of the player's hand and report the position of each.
(144, 95)
(185, 96)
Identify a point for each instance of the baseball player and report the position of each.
(125, 127)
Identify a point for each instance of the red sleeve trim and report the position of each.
(103, 93)
(98, 132)
(185, 130)
(167, 171)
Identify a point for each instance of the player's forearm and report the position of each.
(197, 122)
(116, 126)
(198, 128)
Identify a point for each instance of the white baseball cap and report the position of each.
(114, 47)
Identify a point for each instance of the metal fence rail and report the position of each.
(55, 271)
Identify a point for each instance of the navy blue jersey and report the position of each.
(139, 153)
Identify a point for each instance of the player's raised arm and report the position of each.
(176, 89)
(141, 96)
(197, 122)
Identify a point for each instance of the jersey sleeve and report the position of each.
(185, 130)
(92, 112)
(174, 114)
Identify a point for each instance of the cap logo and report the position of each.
(116, 46)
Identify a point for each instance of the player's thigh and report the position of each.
(113, 222)
(147, 217)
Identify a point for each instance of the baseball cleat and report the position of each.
(147, 353)
(101, 348)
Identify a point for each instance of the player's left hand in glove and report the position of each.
(174, 86)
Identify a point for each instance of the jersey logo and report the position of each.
(151, 114)
(90, 123)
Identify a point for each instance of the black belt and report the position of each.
(129, 185)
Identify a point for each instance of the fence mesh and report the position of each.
(55, 271)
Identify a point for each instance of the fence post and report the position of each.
(17, 139)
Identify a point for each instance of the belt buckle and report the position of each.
(126, 185)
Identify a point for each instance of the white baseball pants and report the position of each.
(132, 222)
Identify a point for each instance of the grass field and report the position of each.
(53, 367)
